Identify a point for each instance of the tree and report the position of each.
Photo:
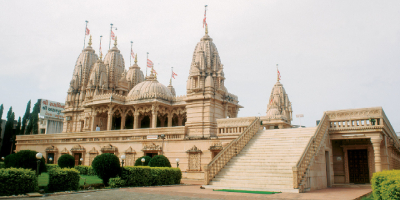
(18, 128)
(8, 134)
(32, 127)
(66, 160)
(106, 166)
(1, 115)
(26, 117)
(25, 159)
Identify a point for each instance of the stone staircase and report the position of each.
(266, 162)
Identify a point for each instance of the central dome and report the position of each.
(150, 89)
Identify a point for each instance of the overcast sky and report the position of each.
(331, 54)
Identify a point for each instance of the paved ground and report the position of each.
(194, 192)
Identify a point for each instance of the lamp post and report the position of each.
(51, 160)
(143, 160)
(81, 159)
(123, 158)
(177, 162)
(38, 157)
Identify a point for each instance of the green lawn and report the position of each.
(44, 179)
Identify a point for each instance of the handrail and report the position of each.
(300, 170)
(232, 149)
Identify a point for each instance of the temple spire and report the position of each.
(90, 40)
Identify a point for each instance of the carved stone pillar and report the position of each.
(170, 115)
(154, 117)
(376, 143)
(109, 119)
(123, 118)
(180, 121)
(136, 120)
(93, 121)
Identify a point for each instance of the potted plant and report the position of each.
(372, 121)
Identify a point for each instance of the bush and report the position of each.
(51, 166)
(63, 179)
(25, 159)
(2, 165)
(85, 170)
(66, 161)
(147, 176)
(138, 161)
(17, 181)
(106, 166)
(159, 161)
(117, 182)
(383, 183)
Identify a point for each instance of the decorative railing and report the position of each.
(301, 170)
(171, 133)
(233, 126)
(232, 149)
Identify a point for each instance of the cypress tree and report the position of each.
(8, 134)
(1, 115)
(26, 117)
(32, 127)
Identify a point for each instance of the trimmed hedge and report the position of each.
(15, 181)
(85, 170)
(116, 182)
(138, 161)
(52, 166)
(25, 159)
(66, 161)
(63, 179)
(386, 185)
(147, 176)
(106, 166)
(159, 161)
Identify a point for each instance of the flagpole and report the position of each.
(101, 54)
(147, 65)
(84, 40)
(172, 70)
(130, 57)
(109, 44)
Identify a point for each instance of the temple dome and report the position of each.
(150, 89)
(134, 75)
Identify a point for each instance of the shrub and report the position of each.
(63, 179)
(85, 170)
(138, 161)
(146, 176)
(106, 166)
(51, 166)
(159, 161)
(2, 165)
(117, 182)
(382, 183)
(66, 160)
(25, 159)
(17, 181)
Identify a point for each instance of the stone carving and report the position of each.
(109, 148)
(152, 147)
(94, 151)
(130, 151)
(64, 151)
(216, 147)
(52, 149)
(194, 149)
(194, 162)
(78, 148)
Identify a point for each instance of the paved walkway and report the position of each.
(194, 192)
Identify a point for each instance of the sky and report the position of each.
(332, 54)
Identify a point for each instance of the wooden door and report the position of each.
(358, 166)
(77, 156)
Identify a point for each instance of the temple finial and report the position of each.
(206, 29)
(90, 41)
(115, 43)
(278, 74)
(136, 59)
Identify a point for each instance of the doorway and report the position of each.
(358, 166)
(50, 155)
(77, 157)
(151, 154)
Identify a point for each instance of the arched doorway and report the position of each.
(129, 120)
(145, 122)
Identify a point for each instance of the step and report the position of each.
(269, 189)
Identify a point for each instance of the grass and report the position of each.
(369, 197)
(44, 179)
(247, 191)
